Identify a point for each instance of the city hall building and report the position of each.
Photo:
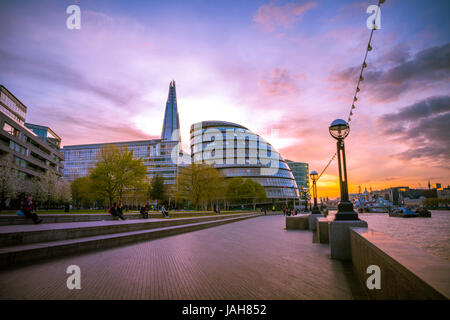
(160, 156)
(237, 152)
(30, 150)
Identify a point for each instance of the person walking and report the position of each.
(29, 210)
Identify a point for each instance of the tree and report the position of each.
(157, 190)
(82, 191)
(245, 191)
(116, 171)
(200, 184)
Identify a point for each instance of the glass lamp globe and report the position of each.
(314, 175)
(339, 129)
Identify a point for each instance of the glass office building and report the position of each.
(300, 171)
(21, 149)
(161, 156)
(237, 152)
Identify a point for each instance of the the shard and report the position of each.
(171, 124)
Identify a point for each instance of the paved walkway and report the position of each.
(251, 259)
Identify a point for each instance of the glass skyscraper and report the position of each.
(237, 152)
(160, 156)
(300, 171)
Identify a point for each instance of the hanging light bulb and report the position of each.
(361, 78)
(349, 119)
(353, 106)
(364, 65)
(369, 48)
(355, 99)
(351, 113)
(358, 89)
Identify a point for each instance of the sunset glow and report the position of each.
(272, 66)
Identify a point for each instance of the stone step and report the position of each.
(27, 234)
(14, 219)
(15, 255)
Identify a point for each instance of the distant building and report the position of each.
(444, 193)
(160, 156)
(300, 170)
(242, 154)
(29, 154)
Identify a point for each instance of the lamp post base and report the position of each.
(346, 212)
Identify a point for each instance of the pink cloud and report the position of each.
(270, 16)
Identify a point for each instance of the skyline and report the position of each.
(293, 64)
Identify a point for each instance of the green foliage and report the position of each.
(245, 191)
(157, 189)
(200, 184)
(116, 172)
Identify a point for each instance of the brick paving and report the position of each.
(250, 259)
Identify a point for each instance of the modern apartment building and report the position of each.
(26, 152)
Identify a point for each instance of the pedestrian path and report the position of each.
(24, 244)
(250, 259)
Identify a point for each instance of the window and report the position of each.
(10, 129)
(18, 148)
(20, 162)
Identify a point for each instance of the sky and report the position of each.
(284, 69)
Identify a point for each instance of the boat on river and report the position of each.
(405, 212)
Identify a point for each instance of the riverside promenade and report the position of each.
(255, 258)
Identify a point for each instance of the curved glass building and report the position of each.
(237, 152)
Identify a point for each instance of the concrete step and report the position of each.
(14, 219)
(27, 234)
(15, 255)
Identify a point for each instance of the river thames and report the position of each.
(430, 234)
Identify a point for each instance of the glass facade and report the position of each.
(238, 152)
(300, 170)
(155, 154)
(161, 156)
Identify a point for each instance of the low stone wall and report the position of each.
(406, 272)
(299, 222)
(323, 230)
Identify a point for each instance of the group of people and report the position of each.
(117, 210)
(289, 212)
(145, 209)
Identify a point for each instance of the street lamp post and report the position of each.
(305, 198)
(339, 129)
(314, 176)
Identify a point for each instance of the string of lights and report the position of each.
(360, 79)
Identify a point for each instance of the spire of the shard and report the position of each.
(171, 125)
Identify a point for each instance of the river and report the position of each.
(430, 234)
